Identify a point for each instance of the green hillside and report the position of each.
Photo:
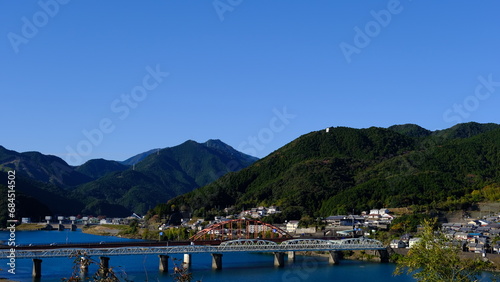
(324, 173)
(411, 130)
(37, 199)
(43, 168)
(159, 177)
(47, 185)
(97, 168)
(139, 157)
(465, 130)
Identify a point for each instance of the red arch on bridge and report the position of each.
(240, 229)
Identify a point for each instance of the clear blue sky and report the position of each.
(254, 73)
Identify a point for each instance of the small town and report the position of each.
(480, 236)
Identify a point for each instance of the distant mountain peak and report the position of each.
(174, 171)
(411, 130)
(216, 143)
(139, 157)
(97, 168)
(466, 130)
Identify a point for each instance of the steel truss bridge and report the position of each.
(241, 245)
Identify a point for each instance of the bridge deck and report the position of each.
(227, 246)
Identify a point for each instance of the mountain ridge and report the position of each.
(317, 173)
(112, 188)
(334, 171)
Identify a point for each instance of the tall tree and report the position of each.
(435, 258)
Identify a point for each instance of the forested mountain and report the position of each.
(462, 130)
(97, 168)
(43, 168)
(102, 187)
(162, 175)
(37, 199)
(411, 130)
(318, 174)
(324, 173)
(139, 157)
(465, 130)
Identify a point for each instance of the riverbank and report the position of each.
(30, 226)
(372, 256)
(105, 230)
(122, 231)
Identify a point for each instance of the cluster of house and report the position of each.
(478, 236)
(259, 212)
(405, 241)
(114, 220)
(86, 219)
(376, 219)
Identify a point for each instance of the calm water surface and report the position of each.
(240, 267)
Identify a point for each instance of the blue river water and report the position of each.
(239, 267)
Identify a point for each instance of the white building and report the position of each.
(292, 225)
(396, 244)
(413, 241)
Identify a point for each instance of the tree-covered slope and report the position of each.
(102, 187)
(411, 130)
(303, 173)
(161, 176)
(465, 130)
(323, 173)
(97, 168)
(36, 199)
(139, 157)
(40, 167)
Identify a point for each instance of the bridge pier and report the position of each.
(291, 256)
(84, 275)
(73, 227)
(163, 263)
(279, 259)
(84, 268)
(334, 257)
(84, 264)
(104, 266)
(60, 227)
(384, 255)
(217, 261)
(37, 268)
(187, 260)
